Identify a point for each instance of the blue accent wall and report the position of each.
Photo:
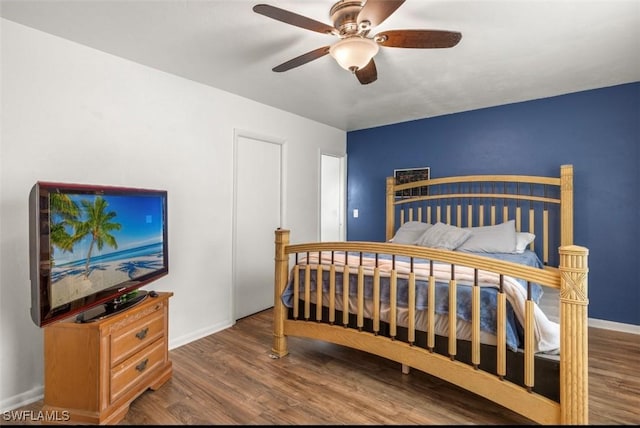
(597, 131)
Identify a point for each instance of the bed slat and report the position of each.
(501, 365)
(376, 300)
(545, 237)
(345, 296)
(529, 344)
(319, 293)
(332, 292)
(296, 292)
(475, 323)
(411, 302)
(307, 290)
(360, 323)
(431, 312)
(393, 293)
(453, 319)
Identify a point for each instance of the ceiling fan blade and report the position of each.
(418, 38)
(293, 19)
(368, 74)
(376, 11)
(302, 59)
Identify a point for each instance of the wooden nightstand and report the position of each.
(93, 371)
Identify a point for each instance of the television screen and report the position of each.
(92, 245)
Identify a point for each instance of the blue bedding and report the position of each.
(488, 295)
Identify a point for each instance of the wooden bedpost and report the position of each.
(279, 311)
(566, 205)
(390, 208)
(574, 332)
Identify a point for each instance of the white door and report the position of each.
(257, 214)
(332, 209)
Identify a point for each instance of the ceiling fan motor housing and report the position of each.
(344, 15)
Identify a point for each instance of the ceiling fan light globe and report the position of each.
(354, 53)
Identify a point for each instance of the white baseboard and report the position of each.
(607, 325)
(617, 326)
(22, 399)
(550, 306)
(198, 334)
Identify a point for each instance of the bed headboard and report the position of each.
(539, 205)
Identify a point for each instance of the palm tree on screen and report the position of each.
(98, 225)
(64, 213)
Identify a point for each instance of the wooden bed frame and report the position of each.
(539, 205)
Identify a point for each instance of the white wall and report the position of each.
(75, 114)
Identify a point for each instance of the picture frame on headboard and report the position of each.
(409, 175)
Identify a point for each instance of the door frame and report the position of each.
(343, 192)
(237, 134)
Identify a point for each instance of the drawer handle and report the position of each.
(142, 333)
(143, 365)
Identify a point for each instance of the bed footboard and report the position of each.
(570, 278)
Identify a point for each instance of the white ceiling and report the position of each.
(511, 51)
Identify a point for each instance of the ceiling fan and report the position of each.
(352, 22)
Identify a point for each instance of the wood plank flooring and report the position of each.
(229, 378)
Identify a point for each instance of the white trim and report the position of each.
(22, 399)
(550, 305)
(606, 325)
(612, 325)
(343, 192)
(343, 180)
(198, 334)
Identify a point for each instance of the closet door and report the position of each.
(332, 198)
(257, 214)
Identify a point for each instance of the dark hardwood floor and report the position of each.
(230, 378)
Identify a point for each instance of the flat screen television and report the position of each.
(92, 247)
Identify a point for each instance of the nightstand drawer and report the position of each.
(136, 336)
(125, 375)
